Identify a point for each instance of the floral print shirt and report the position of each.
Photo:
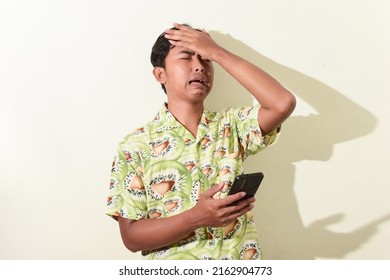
(161, 169)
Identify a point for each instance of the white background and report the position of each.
(75, 78)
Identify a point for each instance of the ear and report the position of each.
(159, 74)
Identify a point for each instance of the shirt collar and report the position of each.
(165, 120)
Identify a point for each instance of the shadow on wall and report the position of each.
(283, 234)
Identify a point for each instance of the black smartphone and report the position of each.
(248, 183)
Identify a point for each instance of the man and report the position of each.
(171, 177)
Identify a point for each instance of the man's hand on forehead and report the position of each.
(195, 40)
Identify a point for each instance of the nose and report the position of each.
(198, 64)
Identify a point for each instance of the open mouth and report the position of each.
(199, 82)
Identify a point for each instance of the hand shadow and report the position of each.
(282, 232)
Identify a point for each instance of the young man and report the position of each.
(170, 178)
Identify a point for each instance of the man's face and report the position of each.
(187, 75)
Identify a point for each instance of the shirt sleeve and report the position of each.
(126, 196)
(249, 130)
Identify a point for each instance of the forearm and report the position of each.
(260, 84)
(149, 234)
(276, 101)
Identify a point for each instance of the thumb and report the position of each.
(214, 189)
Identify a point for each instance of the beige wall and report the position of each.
(75, 78)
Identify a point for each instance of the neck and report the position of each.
(188, 114)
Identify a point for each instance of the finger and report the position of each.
(244, 202)
(181, 26)
(178, 37)
(172, 31)
(239, 212)
(213, 190)
(240, 205)
(179, 43)
(233, 198)
(175, 42)
(182, 30)
(245, 210)
(177, 25)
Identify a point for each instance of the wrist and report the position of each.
(192, 219)
(220, 55)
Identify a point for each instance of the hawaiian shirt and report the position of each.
(161, 169)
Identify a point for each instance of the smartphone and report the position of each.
(248, 183)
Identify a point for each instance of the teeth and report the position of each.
(199, 81)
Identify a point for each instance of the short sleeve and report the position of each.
(249, 130)
(126, 195)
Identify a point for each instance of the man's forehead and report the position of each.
(178, 49)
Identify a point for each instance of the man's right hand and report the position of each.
(211, 212)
